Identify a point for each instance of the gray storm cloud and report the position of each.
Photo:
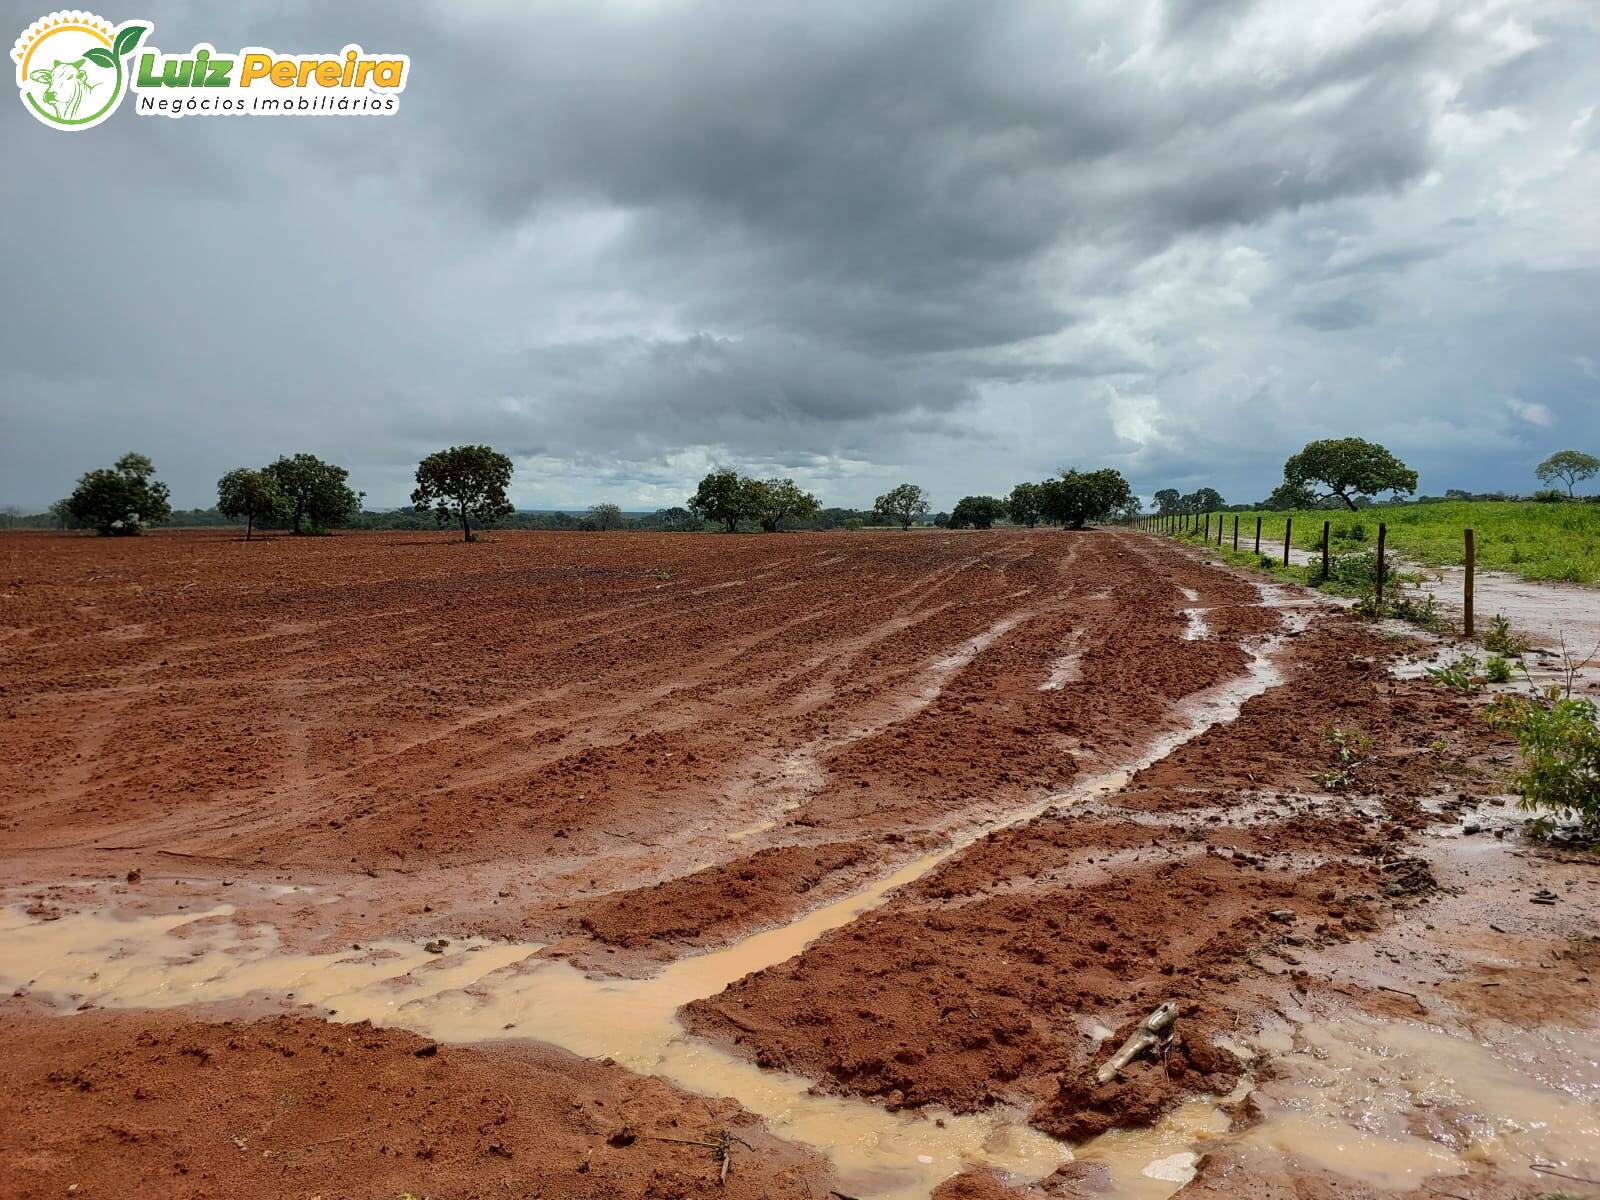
(965, 244)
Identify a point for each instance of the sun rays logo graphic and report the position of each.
(70, 67)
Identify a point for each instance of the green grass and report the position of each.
(1535, 541)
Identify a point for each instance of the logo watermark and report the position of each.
(74, 68)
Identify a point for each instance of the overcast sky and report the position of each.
(855, 243)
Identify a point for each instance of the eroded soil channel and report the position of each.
(899, 925)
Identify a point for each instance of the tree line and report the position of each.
(466, 486)
(1352, 473)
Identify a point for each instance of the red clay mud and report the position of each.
(1019, 941)
(639, 747)
(157, 1105)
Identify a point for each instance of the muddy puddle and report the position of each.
(475, 990)
(1394, 1104)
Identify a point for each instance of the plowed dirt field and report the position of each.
(666, 865)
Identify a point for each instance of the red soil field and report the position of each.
(632, 748)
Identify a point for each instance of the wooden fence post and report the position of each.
(1466, 605)
(1236, 533)
(1325, 551)
(1219, 529)
(1288, 524)
(1383, 536)
(1258, 535)
(1207, 536)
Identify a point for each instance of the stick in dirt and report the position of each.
(1288, 524)
(1152, 1032)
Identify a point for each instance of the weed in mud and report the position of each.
(1350, 747)
(1500, 638)
(1423, 613)
(1459, 675)
(1560, 744)
(1497, 669)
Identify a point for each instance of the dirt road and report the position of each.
(728, 850)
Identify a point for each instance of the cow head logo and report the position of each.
(71, 67)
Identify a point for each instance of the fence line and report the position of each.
(1184, 524)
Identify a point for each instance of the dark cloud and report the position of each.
(963, 242)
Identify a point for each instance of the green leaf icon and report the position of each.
(128, 39)
(100, 56)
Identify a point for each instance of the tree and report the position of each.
(902, 505)
(1201, 500)
(121, 501)
(678, 520)
(1075, 498)
(465, 483)
(315, 491)
(722, 496)
(253, 495)
(1349, 468)
(1289, 496)
(1168, 501)
(1023, 504)
(1568, 466)
(61, 513)
(980, 512)
(771, 501)
(606, 516)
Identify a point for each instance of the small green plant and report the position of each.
(1459, 675)
(1423, 613)
(1350, 748)
(1358, 568)
(1500, 638)
(1497, 669)
(1560, 747)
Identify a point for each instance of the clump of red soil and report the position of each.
(1414, 735)
(719, 902)
(159, 1105)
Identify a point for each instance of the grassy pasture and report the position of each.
(1535, 541)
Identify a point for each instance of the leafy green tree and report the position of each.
(1569, 467)
(61, 513)
(1201, 500)
(1074, 498)
(315, 491)
(678, 520)
(123, 500)
(253, 495)
(722, 497)
(1168, 501)
(606, 516)
(772, 501)
(1287, 497)
(902, 504)
(1349, 468)
(465, 483)
(980, 512)
(1023, 504)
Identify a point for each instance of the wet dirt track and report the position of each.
(631, 748)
